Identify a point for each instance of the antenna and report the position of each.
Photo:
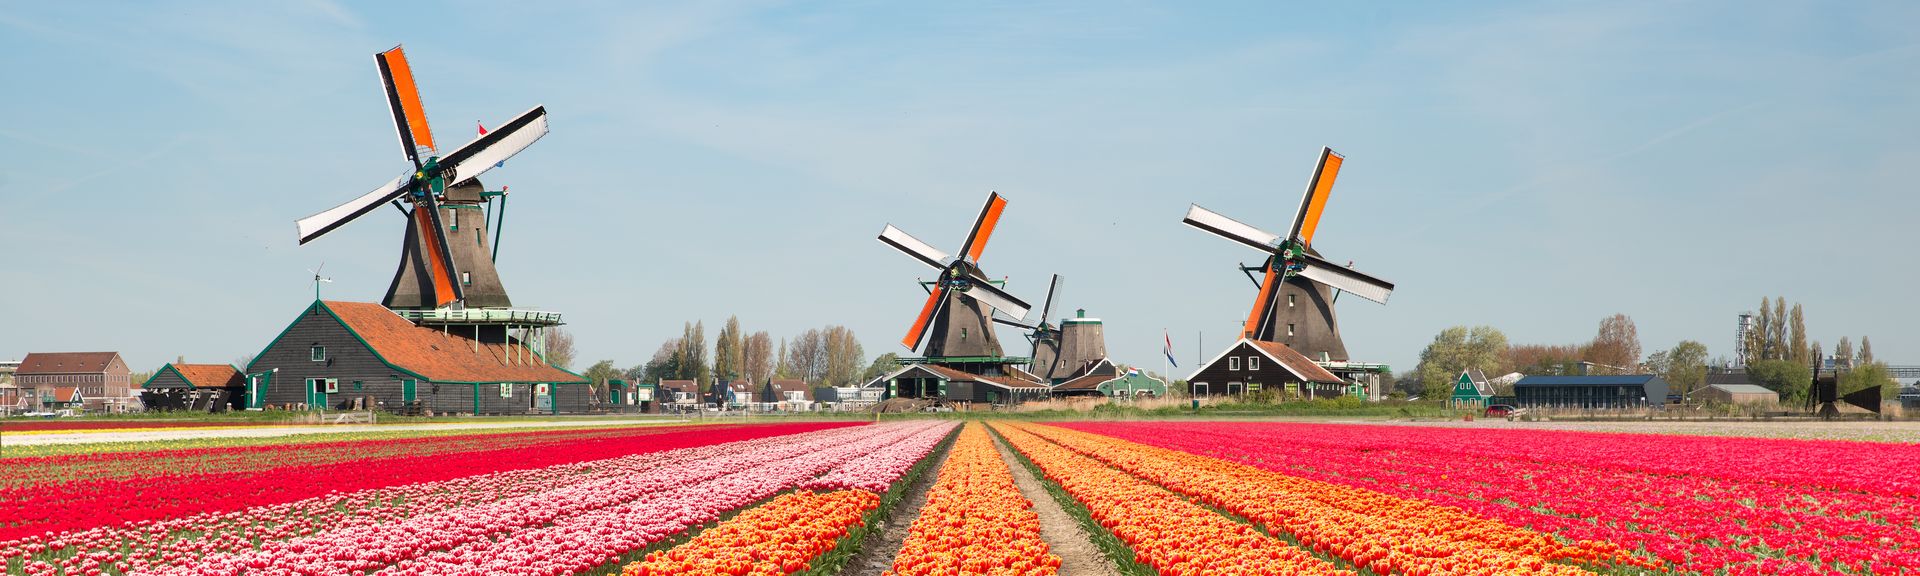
(317, 279)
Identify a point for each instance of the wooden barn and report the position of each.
(337, 352)
(936, 382)
(1253, 365)
(197, 387)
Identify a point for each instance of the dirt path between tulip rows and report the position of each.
(1063, 534)
(877, 551)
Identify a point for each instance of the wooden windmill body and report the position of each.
(1297, 287)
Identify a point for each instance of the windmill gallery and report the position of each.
(447, 338)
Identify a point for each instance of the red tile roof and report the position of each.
(210, 375)
(1296, 362)
(66, 362)
(65, 394)
(439, 356)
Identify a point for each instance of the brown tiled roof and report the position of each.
(66, 362)
(1296, 362)
(210, 375)
(951, 374)
(687, 386)
(437, 355)
(64, 393)
(1088, 382)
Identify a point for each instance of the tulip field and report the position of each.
(804, 497)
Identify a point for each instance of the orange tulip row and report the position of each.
(1380, 532)
(780, 537)
(1166, 531)
(975, 521)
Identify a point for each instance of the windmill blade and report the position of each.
(1230, 229)
(936, 300)
(1014, 323)
(403, 99)
(446, 287)
(921, 251)
(313, 226)
(1347, 279)
(1315, 201)
(483, 153)
(986, 293)
(1047, 308)
(983, 228)
(1268, 285)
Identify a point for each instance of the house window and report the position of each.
(466, 278)
(319, 353)
(1253, 362)
(1233, 362)
(1290, 300)
(1289, 329)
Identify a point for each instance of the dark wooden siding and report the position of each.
(167, 379)
(347, 360)
(1271, 376)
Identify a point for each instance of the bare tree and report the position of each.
(1617, 344)
(560, 348)
(807, 356)
(844, 357)
(1843, 353)
(756, 355)
(1866, 350)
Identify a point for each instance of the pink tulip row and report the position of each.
(571, 528)
(878, 470)
(148, 546)
(1734, 519)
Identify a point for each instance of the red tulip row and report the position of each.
(780, 537)
(150, 465)
(975, 521)
(32, 510)
(1166, 531)
(186, 542)
(1730, 518)
(1383, 533)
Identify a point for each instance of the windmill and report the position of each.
(958, 303)
(444, 258)
(1295, 302)
(1044, 335)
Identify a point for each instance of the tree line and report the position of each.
(1778, 355)
(828, 356)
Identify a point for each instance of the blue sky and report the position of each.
(1530, 167)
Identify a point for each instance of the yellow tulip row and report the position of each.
(975, 521)
(1166, 531)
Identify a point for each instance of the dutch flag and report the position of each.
(1169, 349)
